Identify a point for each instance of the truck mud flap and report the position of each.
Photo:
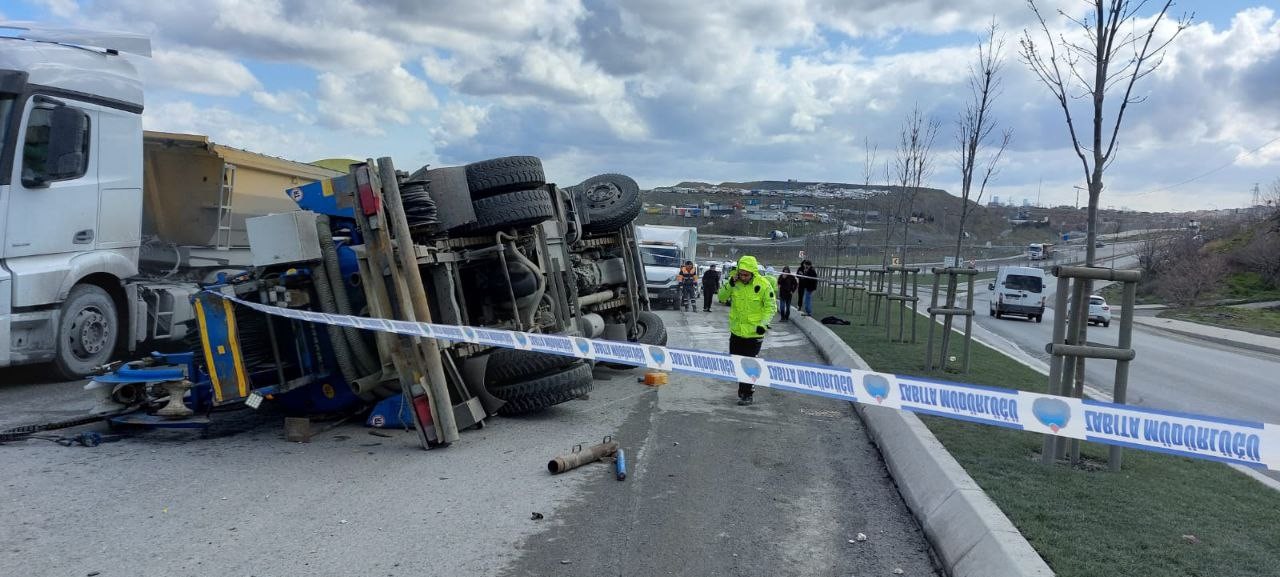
(217, 322)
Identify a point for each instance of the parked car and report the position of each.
(1099, 244)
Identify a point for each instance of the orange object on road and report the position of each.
(655, 378)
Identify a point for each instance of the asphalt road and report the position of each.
(778, 488)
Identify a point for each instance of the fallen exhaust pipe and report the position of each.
(579, 456)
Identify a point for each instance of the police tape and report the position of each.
(1248, 443)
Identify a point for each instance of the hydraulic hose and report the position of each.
(324, 292)
(365, 361)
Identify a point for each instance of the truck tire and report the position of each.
(511, 210)
(652, 332)
(498, 175)
(508, 365)
(88, 329)
(613, 201)
(538, 393)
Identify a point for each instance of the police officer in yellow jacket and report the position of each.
(753, 302)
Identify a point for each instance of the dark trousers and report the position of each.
(707, 294)
(784, 306)
(747, 348)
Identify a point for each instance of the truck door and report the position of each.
(53, 204)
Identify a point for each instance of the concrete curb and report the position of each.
(970, 534)
(1239, 344)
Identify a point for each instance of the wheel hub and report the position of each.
(603, 193)
(90, 332)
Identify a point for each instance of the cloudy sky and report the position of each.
(670, 90)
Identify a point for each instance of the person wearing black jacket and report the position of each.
(787, 284)
(808, 284)
(710, 284)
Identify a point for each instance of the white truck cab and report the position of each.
(107, 231)
(70, 195)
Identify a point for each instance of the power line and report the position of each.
(1198, 177)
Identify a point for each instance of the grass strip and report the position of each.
(1260, 321)
(1161, 515)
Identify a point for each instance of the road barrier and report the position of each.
(1234, 441)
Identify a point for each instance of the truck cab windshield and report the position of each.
(660, 256)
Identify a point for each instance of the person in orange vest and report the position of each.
(688, 279)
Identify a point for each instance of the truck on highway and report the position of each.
(1039, 251)
(106, 229)
(663, 249)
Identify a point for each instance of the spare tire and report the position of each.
(498, 175)
(508, 365)
(612, 201)
(536, 394)
(511, 210)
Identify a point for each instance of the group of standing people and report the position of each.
(801, 284)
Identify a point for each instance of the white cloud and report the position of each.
(226, 127)
(200, 71)
(670, 89)
(61, 8)
(367, 103)
(459, 122)
(292, 102)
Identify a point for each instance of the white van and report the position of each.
(1018, 290)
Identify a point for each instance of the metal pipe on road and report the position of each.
(580, 456)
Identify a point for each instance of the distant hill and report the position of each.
(795, 185)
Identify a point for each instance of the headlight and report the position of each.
(672, 279)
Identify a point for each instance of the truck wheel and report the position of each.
(1106, 323)
(538, 393)
(613, 201)
(998, 313)
(498, 175)
(652, 331)
(87, 331)
(1039, 316)
(508, 365)
(511, 210)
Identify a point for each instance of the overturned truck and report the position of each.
(495, 245)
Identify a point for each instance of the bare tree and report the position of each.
(1190, 280)
(1109, 53)
(975, 126)
(913, 165)
(868, 167)
(1116, 55)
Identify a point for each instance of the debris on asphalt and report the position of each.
(898, 571)
(675, 443)
(1192, 539)
(565, 561)
(377, 433)
(342, 522)
(94, 573)
(862, 537)
(536, 516)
